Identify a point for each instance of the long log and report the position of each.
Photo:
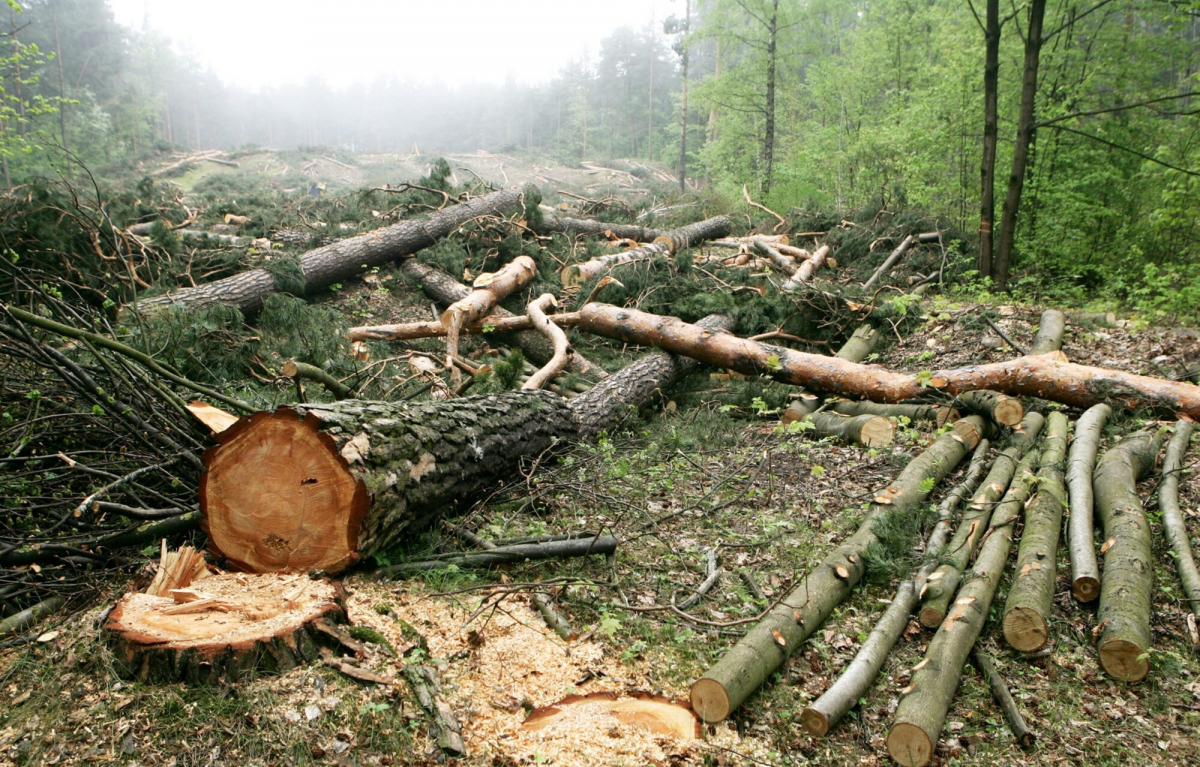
(942, 584)
(1174, 528)
(1040, 376)
(749, 663)
(924, 703)
(827, 710)
(554, 224)
(411, 331)
(938, 414)
(343, 259)
(1081, 464)
(1128, 574)
(1026, 619)
(670, 243)
(514, 554)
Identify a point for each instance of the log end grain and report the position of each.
(710, 700)
(815, 722)
(1086, 588)
(968, 432)
(909, 745)
(877, 432)
(1124, 660)
(277, 496)
(1009, 411)
(931, 617)
(1025, 629)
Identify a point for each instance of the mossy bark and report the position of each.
(749, 663)
(1174, 528)
(1027, 610)
(1127, 579)
(1081, 536)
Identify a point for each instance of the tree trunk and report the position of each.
(746, 666)
(1036, 376)
(924, 703)
(1025, 130)
(343, 259)
(938, 414)
(683, 113)
(1081, 536)
(987, 169)
(769, 138)
(944, 581)
(1049, 337)
(1031, 595)
(858, 677)
(319, 486)
(1128, 574)
(1174, 528)
(552, 224)
(669, 244)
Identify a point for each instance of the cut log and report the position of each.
(298, 370)
(317, 486)
(214, 418)
(411, 331)
(1081, 463)
(645, 711)
(552, 224)
(489, 290)
(938, 414)
(1030, 597)
(1128, 573)
(1002, 409)
(238, 629)
(867, 430)
(942, 584)
(746, 666)
(1039, 376)
(1049, 337)
(343, 259)
(779, 261)
(444, 289)
(857, 348)
(804, 273)
(1012, 713)
(922, 710)
(1174, 528)
(667, 245)
(858, 677)
(558, 363)
(514, 554)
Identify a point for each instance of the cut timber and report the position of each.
(1049, 337)
(489, 290)
(411, 331)
(562, 347)
(1039, 376)
(297, 370)
(857, 678)
(552, 224)
(1031, 595)
(242, 625)
(343, 259)
(922, 710)
(938, 414)
(804, 273)
(214, 418)
(784, 263)
(942, 584)
(857, 348)
(1128, 573)
(749, 663)
(1004, 410)
(653, 713)
(1081, 464)
(669, 244)
(1174, 528)
(868, 430)
(317, 486)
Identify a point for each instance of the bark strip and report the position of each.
(1081, 536)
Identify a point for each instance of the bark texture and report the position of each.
(1128, 574)
(1174, 528)
(343, 259)
(1031, 596)
(669, 244)
(749, 663)
(1049, 337)
(1081, 463)
(554, 224)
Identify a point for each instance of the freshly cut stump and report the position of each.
(653, 713)
(224, 627)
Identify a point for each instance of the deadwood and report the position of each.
(1126, 582)
(666, 245)
(999, 687)
(343, 259)
(1174, 528)
(749, 663)
(1081, 463)
(602, 545)
(804, 273)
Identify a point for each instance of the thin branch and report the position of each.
(1134, 152)
(1120, 108)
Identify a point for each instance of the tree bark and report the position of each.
(1081, 536)
(1031, 596)
(1174, 528)
(298, 370)
(1128, 574)
(867, 430)
(343, 259)
(669, 244)
(1035, 376)
(410, 331)
(554, 224)
(489, 290)
(769, 137)
(991, 120)
(858, 677)
(944, 581)
(922, 710)
(1051, 328)
(856, 349)
(938, 414)
(746, 666)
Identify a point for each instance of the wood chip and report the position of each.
(779, 638)
(1108, 545)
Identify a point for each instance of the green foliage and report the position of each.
(894, 553)
(287, 274)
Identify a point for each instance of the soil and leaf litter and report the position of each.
(411, 557)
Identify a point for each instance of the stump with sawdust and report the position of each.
(643, 710)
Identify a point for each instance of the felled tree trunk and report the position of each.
(319, 486)
(938, 414)
(1081, 463)
(1174, 528)
(1128, 574)
(343, 259)
(746, 666)
(924, 703)
(554, 224)
(1027, 611)
(804, 273)
(1036, 376)
(666, 245)
(868, 430)
(1002, 409)
(1049, 337)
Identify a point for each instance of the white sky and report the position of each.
(267, 42)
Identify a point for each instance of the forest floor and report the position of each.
(709, 472)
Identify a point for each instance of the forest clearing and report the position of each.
(497, 453)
